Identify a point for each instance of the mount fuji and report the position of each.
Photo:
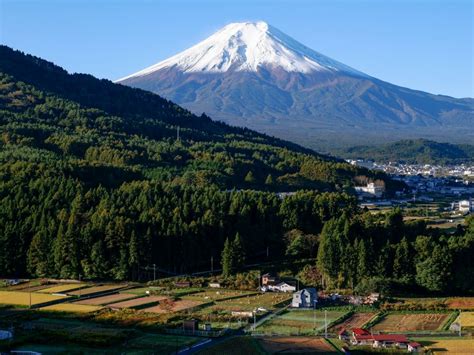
(252, 74)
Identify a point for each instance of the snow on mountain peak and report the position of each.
(246, 46)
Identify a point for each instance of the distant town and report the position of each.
(452, 184)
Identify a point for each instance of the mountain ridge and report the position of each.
(309, 107)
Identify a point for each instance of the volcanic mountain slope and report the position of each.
(252, 74)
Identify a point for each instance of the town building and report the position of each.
(371, 190)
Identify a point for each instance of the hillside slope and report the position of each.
(94, 182)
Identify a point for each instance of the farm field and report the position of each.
(250, 302)
(23, 298)
(175, 306)
(70, 307)
(398, 322)
(357, 320)
(155, 290)
(95, 289)
(31, 288)
(61, 288)
(296, 322)
(242, 345)
(162, 344)
(453, 345)
(216, 295)
(137, 302)
(104, 300)
(467, 320)
(293, 345)
(460, 303)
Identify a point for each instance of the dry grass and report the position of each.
(70, 307)
(100, 301)
(23, 298)
(449, 345)
(411, 322)
(95, 289)
(357, 320)
(61, 288)
(136, 302)
(296, 345)
(467, 320)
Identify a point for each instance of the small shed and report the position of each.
(190, 325)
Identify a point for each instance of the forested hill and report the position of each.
(418, 151)
(94, 182)
(132, 104)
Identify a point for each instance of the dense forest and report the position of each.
(95, 182)
(416, 151)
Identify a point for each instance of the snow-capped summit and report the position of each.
(251, 74)
(247, 46)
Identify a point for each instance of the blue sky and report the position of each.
(420, 44)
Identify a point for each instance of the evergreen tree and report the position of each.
(227, 257)
(434, 273)
(249, 178)
(238, 253)
(269, 180)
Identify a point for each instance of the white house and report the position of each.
(305, 298)
(281, 287)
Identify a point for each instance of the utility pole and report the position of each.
(314, 317)
(212, 265)
(268, 251)
(30, 298)
(177, 134)
(154, 272)
(325, 323)
(79, 287)
(254, 319)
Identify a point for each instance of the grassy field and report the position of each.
(294, 322)
(215, 295)
(162, 344)
(448, 345)
(70, 307)
(175, 306)
(400, 322)
(61, 288)
(357, 320)
(104, 300)
(291, 345)
(251, 302)
(23, 298)
(242, 345)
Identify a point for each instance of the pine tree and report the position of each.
(238, 253)
(269, 180)
(227, 259)
(249, 178)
